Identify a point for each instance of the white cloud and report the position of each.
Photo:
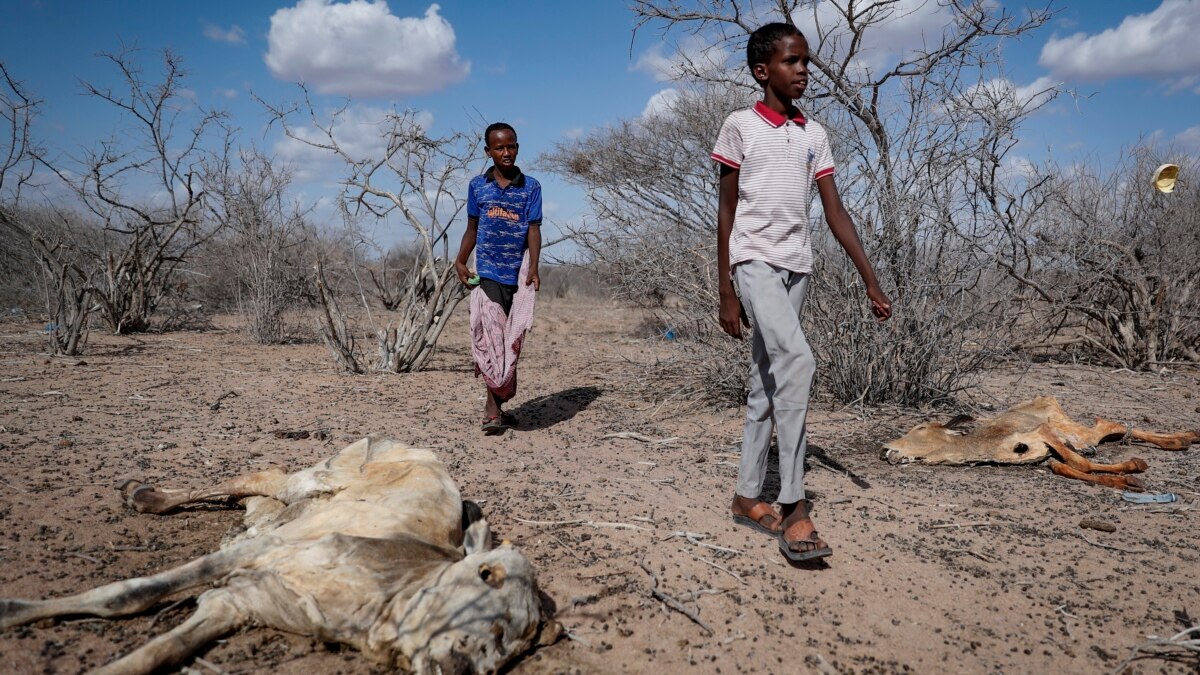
(1008, 95)
(691, 54)
(360, 48)
(573, 134)
(1162, 43)
(662, 103)
(1189, 139)
(358, 130)
(228, 93)
(235, 35)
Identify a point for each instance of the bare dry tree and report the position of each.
(144, 186)
(48, 238)
(1110, 263)
(907, 128)
(264, 232)
(421, 179)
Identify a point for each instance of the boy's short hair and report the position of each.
(762, 42)
(496, 126)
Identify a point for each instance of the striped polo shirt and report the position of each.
(778, 161)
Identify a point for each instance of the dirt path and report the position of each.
(935, 569)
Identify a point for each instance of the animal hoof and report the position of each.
(1140, 464)
(1134, 484)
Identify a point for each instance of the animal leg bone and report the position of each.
(133, 595)
(1177, 441)
(215, 616)
(151, 499)
(1132, 483)
(1082, 464)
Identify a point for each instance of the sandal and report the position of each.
(818, 551)
(753, 520)
(493, 426)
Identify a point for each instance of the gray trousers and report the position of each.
(781, 377)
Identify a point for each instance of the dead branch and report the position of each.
(672, 602)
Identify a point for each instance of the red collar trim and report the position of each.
(775, 119)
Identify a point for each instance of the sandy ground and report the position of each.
(975, 570)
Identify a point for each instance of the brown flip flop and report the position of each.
(753, 520)
(800, 556)
(493, 426)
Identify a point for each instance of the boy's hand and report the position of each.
(732, 315)
(881, 307)
(464, 274)
(534, 279)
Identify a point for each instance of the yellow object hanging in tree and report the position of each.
(1165, 177)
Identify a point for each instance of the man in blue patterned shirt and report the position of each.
(504, 217)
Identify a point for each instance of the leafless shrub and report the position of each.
(51, 242)
(1111, 262)
(145, 189)
(265, 232)
(424, 175)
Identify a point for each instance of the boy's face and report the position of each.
(786, 73)
(502, 148)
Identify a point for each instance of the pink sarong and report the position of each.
(496, 339)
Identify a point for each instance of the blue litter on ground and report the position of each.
(1149, 498)
(51, 327)
(669, 333)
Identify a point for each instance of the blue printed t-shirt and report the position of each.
(505, 215)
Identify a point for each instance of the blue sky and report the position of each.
(553, 68)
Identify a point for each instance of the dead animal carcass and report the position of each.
(1027, 433)
(372, 548)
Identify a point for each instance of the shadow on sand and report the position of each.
(546, 411)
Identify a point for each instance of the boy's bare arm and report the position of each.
(465, 248)
(843, 230)
(730, 313)
(533, 240)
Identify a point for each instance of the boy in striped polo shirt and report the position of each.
(770, 155)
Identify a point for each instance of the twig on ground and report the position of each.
(962, 525)
(86, 557)
(634, 436)
(1174, 643)
(570, 549)
(589, 523)
(670, 602)
(982, 556)
(1113, 548)
(695, 537)
(710, 563)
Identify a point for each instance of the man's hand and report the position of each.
(732, 315)
(464, 274)
(533, 279)
(881, 307)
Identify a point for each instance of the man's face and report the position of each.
(502, 148)
(787, 72)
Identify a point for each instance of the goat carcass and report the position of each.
(372, 548)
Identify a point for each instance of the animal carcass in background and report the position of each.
(373, 548)
(1027, 433)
